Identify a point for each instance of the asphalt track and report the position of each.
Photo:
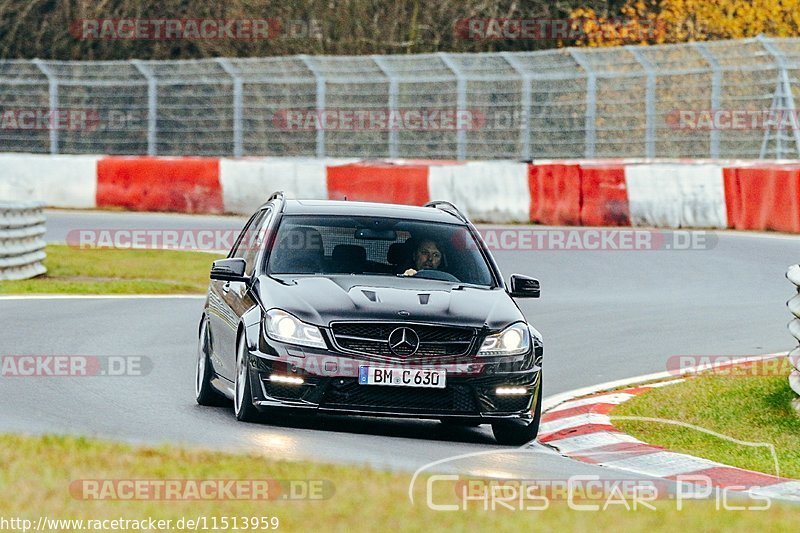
(605, 315)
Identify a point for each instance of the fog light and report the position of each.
(511, 391)
(288, 380)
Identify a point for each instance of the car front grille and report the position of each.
(350, 395)
(372, 338)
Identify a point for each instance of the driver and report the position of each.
(426, 256)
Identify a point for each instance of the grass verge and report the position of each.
(117, 271)
(38, 472)
(749, 403)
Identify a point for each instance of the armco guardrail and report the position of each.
(793, 274)
(22, 228)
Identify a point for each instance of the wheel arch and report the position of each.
(250, 327)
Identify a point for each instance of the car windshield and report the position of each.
(377, 246)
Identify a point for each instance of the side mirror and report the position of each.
(524, 287)
(229, 269)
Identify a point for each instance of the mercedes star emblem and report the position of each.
(403, 342)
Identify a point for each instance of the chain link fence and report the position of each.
(725, 99)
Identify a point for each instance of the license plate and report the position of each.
(402, 377)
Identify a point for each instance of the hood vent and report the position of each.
(372, 296)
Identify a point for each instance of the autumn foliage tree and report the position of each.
(678, 21)
(46, 28)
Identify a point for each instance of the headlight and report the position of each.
(281, 326)
(513, 340)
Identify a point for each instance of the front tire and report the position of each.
(204, 393)
(243, 406)
(519, 432)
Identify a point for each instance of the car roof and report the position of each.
(370, 209)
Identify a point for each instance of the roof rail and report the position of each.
(447, 207)
(277, 195)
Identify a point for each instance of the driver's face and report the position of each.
(427, 256)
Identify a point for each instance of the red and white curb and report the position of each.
(581, 428)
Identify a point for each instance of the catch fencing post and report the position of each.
(649, 100)
(152, 105)
(525, 104)
(716, 83)
(52, 81)
(590, 120)
(394, 89)
(461, 104)
(783, 94)
(320, 104)
(233, 72)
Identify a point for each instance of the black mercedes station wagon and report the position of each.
(369, 309)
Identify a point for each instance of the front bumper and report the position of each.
(330, 385)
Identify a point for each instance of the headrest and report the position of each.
(349, 252)
(398, 253)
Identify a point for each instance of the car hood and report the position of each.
(321, 300)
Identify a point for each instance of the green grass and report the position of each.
(741, 405)
(37, 473)
(117, 271)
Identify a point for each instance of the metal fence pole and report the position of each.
(394, 90)
(785, 90)
(716, 88)
(320, 103)
(233, 72)
(52, 82)
(525, 104)
(461, 103)
(590, 124)
(152, 105)
(649, 101)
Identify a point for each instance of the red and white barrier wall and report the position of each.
(697, 194)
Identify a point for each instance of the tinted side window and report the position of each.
(240, 247)
(256, 238)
